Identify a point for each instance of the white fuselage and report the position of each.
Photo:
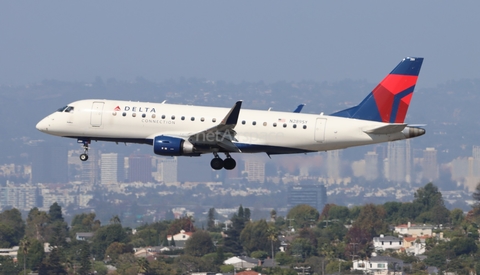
(256, 131)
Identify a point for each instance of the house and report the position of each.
(414, 230)
(180, 238)
(9, 252)
(379, 265)
(83, 236)
(415, 245)
(242, 262)
(383, 243)
(249, 272)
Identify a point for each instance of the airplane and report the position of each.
(181, 130)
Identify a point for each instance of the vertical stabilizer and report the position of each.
(389, 101)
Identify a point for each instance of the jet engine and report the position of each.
(172, 146)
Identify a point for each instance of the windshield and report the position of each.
(66, 109)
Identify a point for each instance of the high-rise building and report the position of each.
(429, 164)
(49, 163)
(255, 170)
(140, 168)
(334, 164)
(314, 194)
(24, 197)
(371, 166)
(109, 168)
(399, 162)
(89, 169)
(166, 170)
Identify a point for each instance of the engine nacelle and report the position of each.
(171, 146)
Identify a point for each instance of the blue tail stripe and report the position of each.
(396, 102)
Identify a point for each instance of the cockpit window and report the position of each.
(66, 109)
(62, 109)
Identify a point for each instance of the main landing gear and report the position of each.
(217, 163)
(84, 156)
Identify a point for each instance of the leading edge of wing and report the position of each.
(222, 134)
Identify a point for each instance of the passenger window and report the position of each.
(294, 126)
(304, 126)
(124, 114)
(183, 118)
(202, 119)
(254, 123)
(134, 114)
(243, 122)
(274, 124)
(163, 116)
(214, 119)
(284, 125)
(264, 124)
(173, 117)
(154, 116)
(192, 119)
(144, 115)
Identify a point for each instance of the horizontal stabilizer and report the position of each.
(387, 129)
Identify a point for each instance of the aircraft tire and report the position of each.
(216, 163)
(83, 157)
(229, 164)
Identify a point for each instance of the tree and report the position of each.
(24, 245)
(31, 253)
(7, 266)
(273, 215)
(432, 205)
(371, 220)
(51, 264)
(476, 195)
(169, 216)
(105, 236)
(184, 223)
(12, 227)
(37, 222)
(254, 236)
(115, 220)
(55, 212)
(172, 242)
(199, 244)
(303, 215)
(272, 235)
(85, 264)
(211, 219)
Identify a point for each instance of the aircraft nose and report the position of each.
(42, 125)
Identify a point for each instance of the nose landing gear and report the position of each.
(217, 163)
(86, 142)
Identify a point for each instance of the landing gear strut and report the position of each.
(84, 156)
(217, 163)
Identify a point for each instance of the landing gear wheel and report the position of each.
(83, 157)
(229, 163)
(85, 142)
(216, 163)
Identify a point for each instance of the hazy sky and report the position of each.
(236, 40)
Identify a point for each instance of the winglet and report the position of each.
(299, 108)
(232, 117)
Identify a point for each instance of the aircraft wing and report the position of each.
(221, 135)
(386, 129)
